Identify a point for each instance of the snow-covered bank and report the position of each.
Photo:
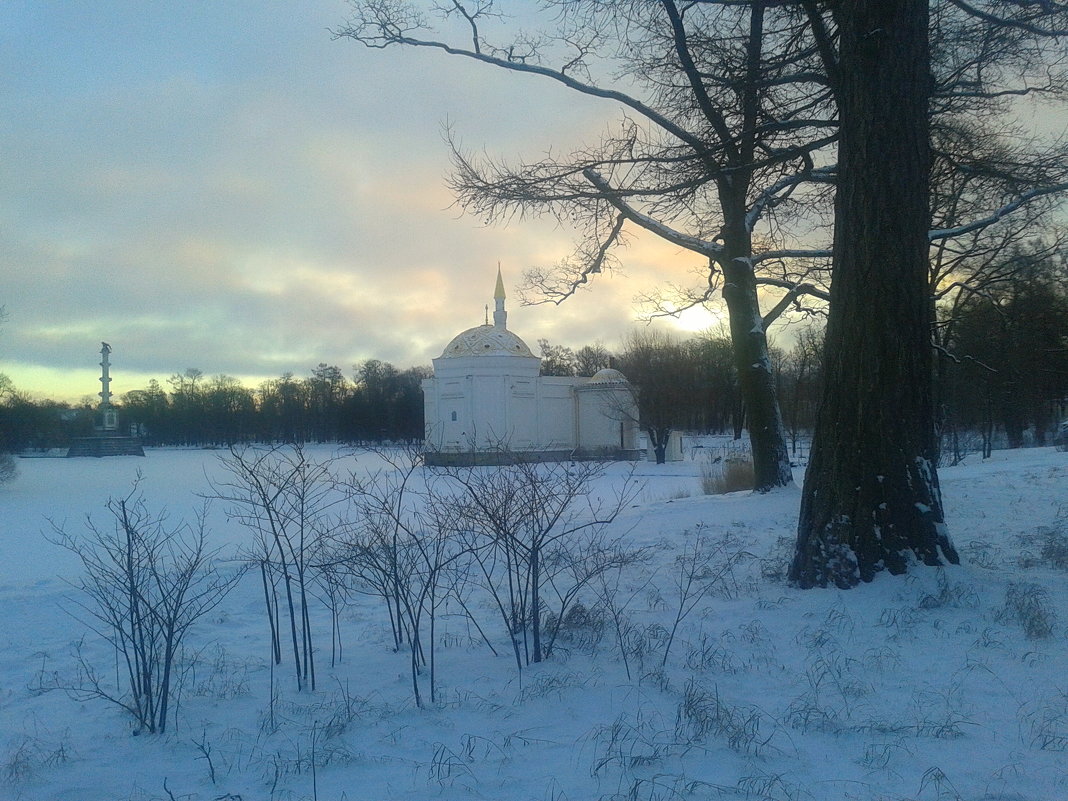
(918, 687)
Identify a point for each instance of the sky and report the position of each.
(224, 186)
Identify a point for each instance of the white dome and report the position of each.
(486, 340)
(608, 376)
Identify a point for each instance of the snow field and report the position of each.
(945, 684)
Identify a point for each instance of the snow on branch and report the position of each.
(975, 225)
(771, 196)
(772, 255)
(710, 249)
(796, 288)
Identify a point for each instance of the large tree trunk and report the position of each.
(871, 499)
(767, 436)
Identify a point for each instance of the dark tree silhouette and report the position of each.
(871, 499)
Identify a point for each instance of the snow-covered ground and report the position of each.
(923, 687)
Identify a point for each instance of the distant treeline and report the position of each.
(1002, 378)
(1003, 366)
(379, 403)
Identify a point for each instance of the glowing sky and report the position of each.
(221, 185)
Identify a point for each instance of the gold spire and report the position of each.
(500, 316)
(498, 292)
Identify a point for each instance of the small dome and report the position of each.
(608, 376)
(486, 340)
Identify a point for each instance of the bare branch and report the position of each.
(1049, 10)
(557, 291)
(710, 249)
(1004, 211)
(384, 35)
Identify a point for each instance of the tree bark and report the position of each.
(658, 438)
(767, 435)
(871, 499)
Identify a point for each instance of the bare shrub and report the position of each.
(772, 787)
(1029, 605)
(958, 596)
(537, 535)
(728, 475)
(809, 712)
(220, 678)
(1047, 722)
(28, 754)
(935, 779)
(629, 743)
(146, 585)
(703, 713)
(705, 568)
(283, 498)
(628, 634)
(582, 627)
(1055, 548)
(404, 546)
(372, 545)
(1046, 546)
(709, 654)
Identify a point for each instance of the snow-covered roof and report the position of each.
(608, 376)
(486, 340)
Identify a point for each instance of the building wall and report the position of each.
(556, 412)
(607, 418)
(523, 412)
(486, 404)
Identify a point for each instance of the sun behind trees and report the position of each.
(716, 150)
(734, 115)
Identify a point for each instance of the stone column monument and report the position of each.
(106, 439)
(109, 417)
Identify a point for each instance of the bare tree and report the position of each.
(591, 358)
(726, 145)
(147, 584)
(283, 497)
(556, 359)
(871, 499)
(8, 470)
(663, 376)
(1009, 362)
(725, 117)
(801, 381)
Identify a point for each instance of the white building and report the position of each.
(486, 404)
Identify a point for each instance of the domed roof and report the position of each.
(486, 340)
(608, 376)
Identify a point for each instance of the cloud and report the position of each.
(253, 198)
